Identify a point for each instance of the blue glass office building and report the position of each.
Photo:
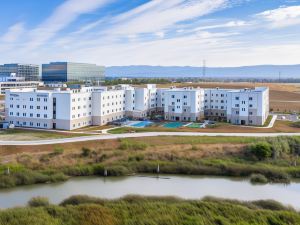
(29, 71)
(69, 71)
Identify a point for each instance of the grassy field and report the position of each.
(274, 158)
(131, 210)
(283, 97)
(279, 126)
(28, 135)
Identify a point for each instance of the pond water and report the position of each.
(187, 187)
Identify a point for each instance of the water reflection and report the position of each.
(187, 187)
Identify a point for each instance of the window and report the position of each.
(184, 96)
(250, 98)
(38, 107)
(31, 107)
(45, 99)
(31, 115)
(38, 115)
(38, 99)
(237, 98)
(45, 115)
(173, 96)
(45, 107)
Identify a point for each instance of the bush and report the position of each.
(81, 199)
(7, 181)
(38, 202)
(85, 152)
(58, 151)
(258, 178)
(270, 204)
(261, 150)
(117, 171)
(130, 145)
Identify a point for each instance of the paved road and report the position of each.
(149, 134)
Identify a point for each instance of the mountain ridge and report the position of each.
(257, 71)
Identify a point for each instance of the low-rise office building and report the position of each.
(70, 71)
(29, 71)
(75, 108)
(13, 82)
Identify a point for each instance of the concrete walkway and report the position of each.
(148, 134)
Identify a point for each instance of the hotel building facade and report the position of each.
(76, 108)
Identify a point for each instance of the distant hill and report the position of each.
(262, 71)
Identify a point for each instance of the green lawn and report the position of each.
(23, 134)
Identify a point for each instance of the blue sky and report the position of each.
(158, 32)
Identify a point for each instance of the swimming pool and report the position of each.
(173, 125)
(141, 124)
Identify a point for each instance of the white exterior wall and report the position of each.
(78, 108)
(108, 106)
(29, 108)
(248, 106)
(183, 104)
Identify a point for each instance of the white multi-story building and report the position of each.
(183, 104)
(248, 106)
(75, 108)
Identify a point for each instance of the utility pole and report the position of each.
(279, 76)
(204, 69)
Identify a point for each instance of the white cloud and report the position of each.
(230, 24)
(13, 33)
(160, 34)
(156, 16)
(281, 17)
(64, 15)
